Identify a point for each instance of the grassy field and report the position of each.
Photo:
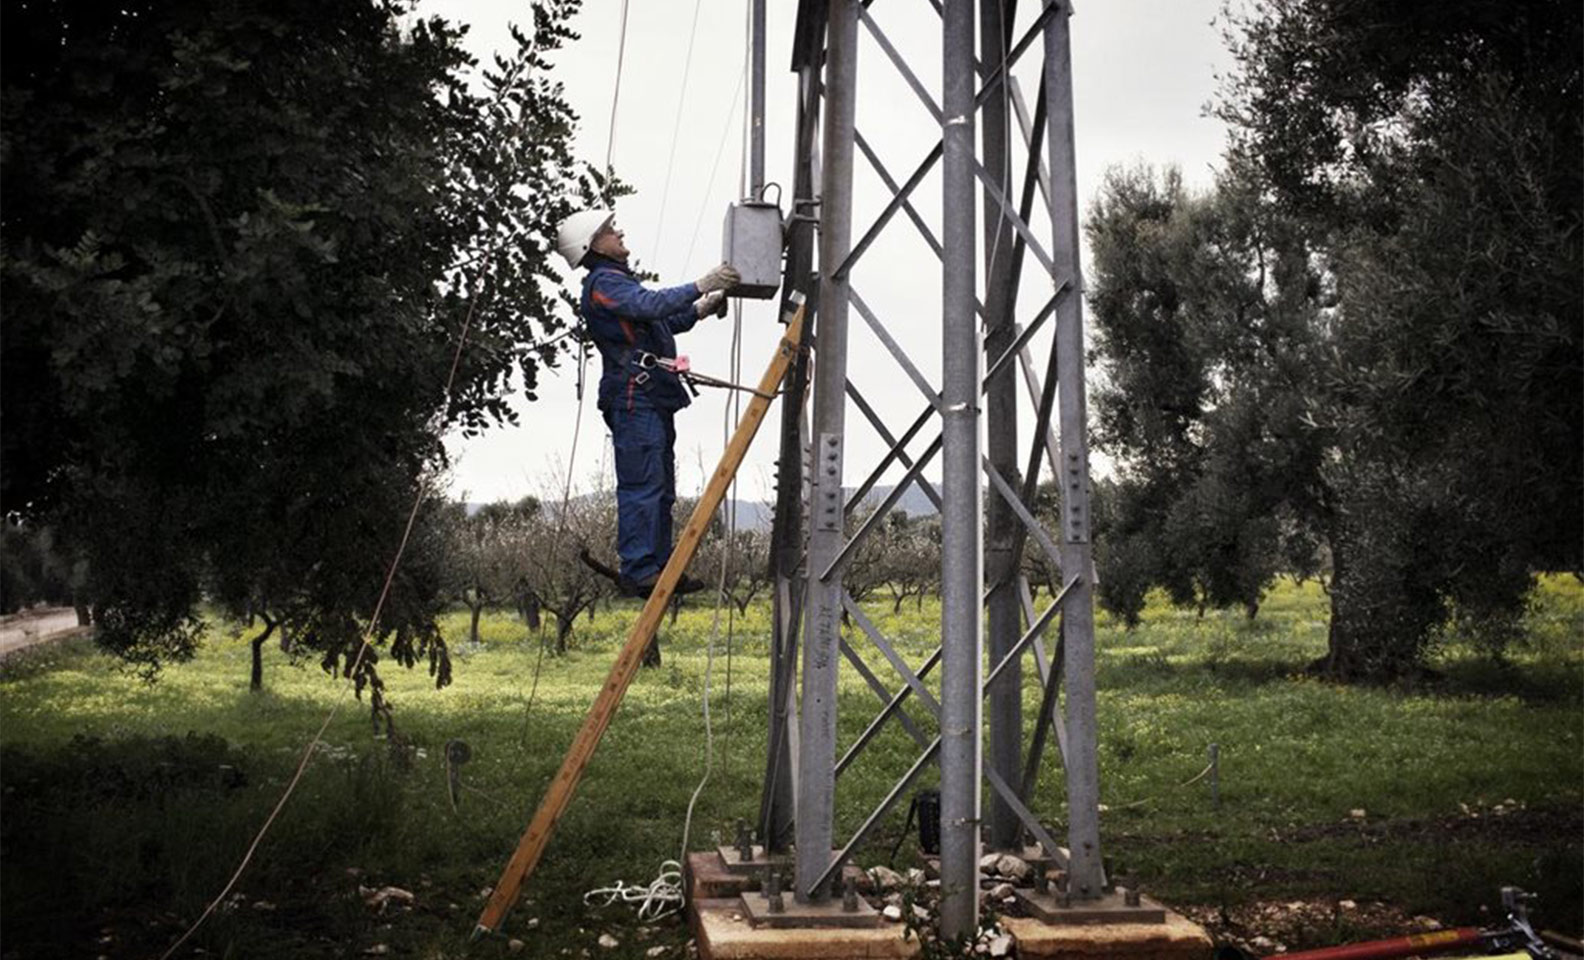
(126, 805)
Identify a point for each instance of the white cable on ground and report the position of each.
(667, 887)
(660, 899)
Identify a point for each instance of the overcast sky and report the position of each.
(1143, 72)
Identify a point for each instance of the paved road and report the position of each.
(34, 627)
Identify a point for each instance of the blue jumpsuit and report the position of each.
(627, 320)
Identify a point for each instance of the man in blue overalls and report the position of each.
(635, 328)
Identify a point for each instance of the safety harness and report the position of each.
(683, 369)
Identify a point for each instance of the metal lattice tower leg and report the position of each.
(822, 619)
(1003, 545)
(962, 573)
(1084, 871)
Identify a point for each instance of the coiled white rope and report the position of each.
(660, 899)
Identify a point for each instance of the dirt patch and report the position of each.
(1264, 927)
(1507, 822)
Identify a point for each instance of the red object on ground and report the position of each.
(1419, 943)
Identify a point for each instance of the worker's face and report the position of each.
(609, 242)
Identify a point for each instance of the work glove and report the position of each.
(711, 303)
(723, 277)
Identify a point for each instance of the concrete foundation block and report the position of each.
(724, 933)
(1177, 938)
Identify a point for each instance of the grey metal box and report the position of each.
(752, 244)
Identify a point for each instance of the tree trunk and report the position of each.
(256, 681)
(1346, 657)
(563, 630)
(1382, 613)
(476, 610)
(530, 613)
(83, 616)
(651, 657)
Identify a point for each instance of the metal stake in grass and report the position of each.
(1215, 775)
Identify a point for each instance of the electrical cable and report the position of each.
(610, 136)
(660, 899)
(676, 127)
(734, 402)
(664, 895)
(1186, 783)
(583, 356)
(366, 642)
(363, 647)
(555, 543)
(719, 150)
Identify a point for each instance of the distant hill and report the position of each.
(914, 502)
(753, 515)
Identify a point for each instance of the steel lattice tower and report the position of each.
(989, 253)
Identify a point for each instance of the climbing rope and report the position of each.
(730, 415)
(720, 149)
(660, 899)
(676, 127)
(610, 136)
(364, 645)
(735, 401)
(582, 377)
(1186, 783)
(366, 641)
(664, 895)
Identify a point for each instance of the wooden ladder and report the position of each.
(532, 845)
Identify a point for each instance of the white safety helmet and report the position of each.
(576, 233)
